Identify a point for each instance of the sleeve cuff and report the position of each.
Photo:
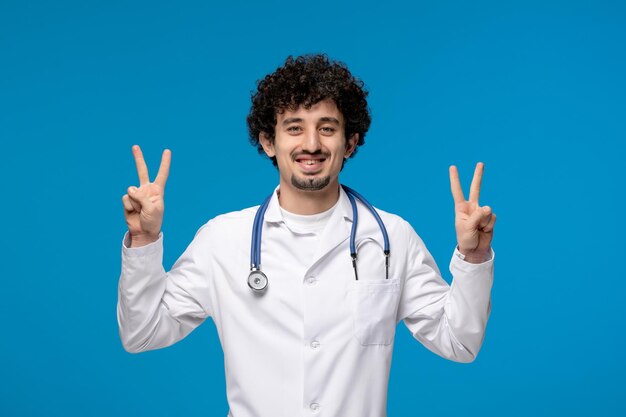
(460, 268)
(148, 249)
(460, 256)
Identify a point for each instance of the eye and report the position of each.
(328, 130)
(294, 129)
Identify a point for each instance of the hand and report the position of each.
(144, 206)
(474, 224)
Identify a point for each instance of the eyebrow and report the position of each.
(300, 120)
(292, 120)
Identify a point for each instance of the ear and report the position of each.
(351, 145)
(268, 145)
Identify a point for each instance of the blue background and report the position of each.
(536, 90)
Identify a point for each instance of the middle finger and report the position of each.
(142, 169)
(475, 187)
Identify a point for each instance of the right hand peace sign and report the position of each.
(474, 224)
(144, 206)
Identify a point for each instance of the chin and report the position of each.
(310, 183)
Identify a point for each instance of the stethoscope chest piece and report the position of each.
(257, 280)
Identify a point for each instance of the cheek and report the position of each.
(282, 158)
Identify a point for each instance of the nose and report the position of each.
(311, 141)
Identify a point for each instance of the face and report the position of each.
(310, 146)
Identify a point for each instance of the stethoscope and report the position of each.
(257, 280)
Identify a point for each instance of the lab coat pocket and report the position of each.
(374, 307)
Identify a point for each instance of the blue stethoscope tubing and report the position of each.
(258, 281)
(355, 216)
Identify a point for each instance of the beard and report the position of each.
(310, 184)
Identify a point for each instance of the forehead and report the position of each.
(321, 109)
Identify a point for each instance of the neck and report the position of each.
(308, 202)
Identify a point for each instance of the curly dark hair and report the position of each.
(305, 81)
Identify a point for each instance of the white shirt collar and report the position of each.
(274, 215)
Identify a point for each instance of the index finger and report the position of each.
(142, 169)
(164, 168)
(478, 177)
(455, 185)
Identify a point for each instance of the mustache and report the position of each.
(307, 153)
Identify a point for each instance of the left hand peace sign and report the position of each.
(474, 224)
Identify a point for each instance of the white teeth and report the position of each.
(310, 162)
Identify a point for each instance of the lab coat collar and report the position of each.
(337, 229)
(274, 215)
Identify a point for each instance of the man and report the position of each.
(319, 338)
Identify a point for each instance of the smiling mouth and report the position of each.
(310, 164)
(310, 161)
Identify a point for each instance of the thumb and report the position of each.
(478, 217)
(138, 198)
(486, 218)
(130, 205)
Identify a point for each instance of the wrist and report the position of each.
(143, 239)
(475, 256)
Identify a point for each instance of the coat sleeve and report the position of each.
(155, 308)
(450, 320)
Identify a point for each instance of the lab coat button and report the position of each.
(311, 280)
(315, 407)
(315, 344)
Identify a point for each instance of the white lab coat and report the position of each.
(318, 342)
